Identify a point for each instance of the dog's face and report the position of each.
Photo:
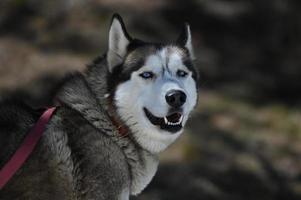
(154, 86)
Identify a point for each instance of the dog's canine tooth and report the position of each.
(165, 120)
(181, 118)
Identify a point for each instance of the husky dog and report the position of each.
(110, 124)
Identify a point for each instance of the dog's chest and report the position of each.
(143, 168)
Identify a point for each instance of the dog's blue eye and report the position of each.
(181, 73)
(146, 75)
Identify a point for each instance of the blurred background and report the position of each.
(244, 139)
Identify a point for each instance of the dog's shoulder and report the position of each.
(86, 153)
(16, 118)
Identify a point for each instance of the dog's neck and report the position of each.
(123, 130)
(78, 94)
(96, 76)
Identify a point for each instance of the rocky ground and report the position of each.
(243, 140)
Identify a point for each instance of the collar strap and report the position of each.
(26, 148)
(122, 129)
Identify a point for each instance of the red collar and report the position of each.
(123, 130)
(26, 148)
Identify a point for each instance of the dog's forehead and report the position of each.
(157, 57)
(169, 57)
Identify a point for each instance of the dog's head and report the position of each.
(154, 86)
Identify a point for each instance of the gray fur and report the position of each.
(81, 155)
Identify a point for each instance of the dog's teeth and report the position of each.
(173, 123)
(165, 120)
(181, 118)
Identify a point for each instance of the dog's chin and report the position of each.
(155, 135)
(154, 139)
(172, 123)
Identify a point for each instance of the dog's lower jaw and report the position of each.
(155, 141)
(149, 137)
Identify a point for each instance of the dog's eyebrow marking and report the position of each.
(163, 54)
(167, 60)
(166, 63)
(174, 56)
(162, 57)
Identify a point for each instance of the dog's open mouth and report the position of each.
(171, 123)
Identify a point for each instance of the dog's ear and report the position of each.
(184, 40)
(118, 42)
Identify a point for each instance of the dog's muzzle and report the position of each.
(171, 123)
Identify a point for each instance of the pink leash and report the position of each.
(26, 148)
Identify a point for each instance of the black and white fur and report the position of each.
(129, 58)
(150, 89)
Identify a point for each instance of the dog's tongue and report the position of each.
(174, 117)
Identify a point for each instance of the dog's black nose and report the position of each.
(175, 98)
